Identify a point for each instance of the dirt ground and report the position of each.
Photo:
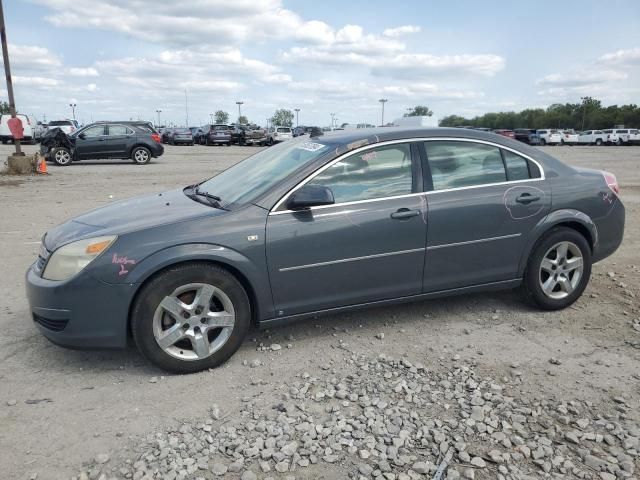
(60, 408)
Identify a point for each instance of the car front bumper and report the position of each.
(83, 312)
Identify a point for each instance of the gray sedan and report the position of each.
(323, 224)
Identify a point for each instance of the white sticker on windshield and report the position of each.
(311, 146)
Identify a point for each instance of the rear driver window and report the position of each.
(463, 164)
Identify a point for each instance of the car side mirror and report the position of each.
(82, 136)
(310, 196)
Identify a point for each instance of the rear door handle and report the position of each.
(527, 198)
(404, 213)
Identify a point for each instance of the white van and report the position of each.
(28, 124)
(67, 126)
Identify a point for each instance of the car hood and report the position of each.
(125, 216)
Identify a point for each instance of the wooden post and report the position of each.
(7, 71)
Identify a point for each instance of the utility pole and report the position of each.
(186, 107)
(333, 116)
(297, 110)
(383, 101)
(211, 116)
(239, 110)
(159, 112)
(7, 72)
(584, 109)
(73, 109)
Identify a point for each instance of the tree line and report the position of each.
(588, 115)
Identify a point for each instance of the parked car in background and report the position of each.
(180, 136)
(248, 135)
(67, 126)
(569, 137)
(297, 131)
(505, 132)
(279, 134)
(592, 137)
(103, 140)
(527, 135)
(617, 136)
(165, 133)
(189, 272)
(634, 136)
(218, 134)
(39, 130)
(549, 136)
(28, 125)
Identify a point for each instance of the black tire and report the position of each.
(141, 155)
(206, 142)
(619, 142)
(162, 285)
(543, 142)
(532, 277)
(562, 143)
(270, 142)
(61, 156)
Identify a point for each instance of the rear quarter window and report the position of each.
(518, 167)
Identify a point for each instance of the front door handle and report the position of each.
(527, 198)
(404, 213)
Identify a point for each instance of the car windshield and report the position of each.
(252, 177)
(284, 130)
(182, 130)
(60, 123)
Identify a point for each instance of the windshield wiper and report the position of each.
(211, 199)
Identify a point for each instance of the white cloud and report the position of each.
(369, 92)
(83, 72)
(629, 56)
(403, 64)
(585, 77)
(35, 81)
(215, 22)
(31, 57)
(92, 87)
(399, 31)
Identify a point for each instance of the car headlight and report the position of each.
(70, 259)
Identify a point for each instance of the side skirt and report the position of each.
(485, 287)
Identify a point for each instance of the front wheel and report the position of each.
(543, 142)
(598, 142)
(61, 156)
(558, 270)
(191, 317)
(141, 155)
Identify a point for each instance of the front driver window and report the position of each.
(375, 173)
(93, 132)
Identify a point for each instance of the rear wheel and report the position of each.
(598, 142)
(61, 156)
(558, 270)
(141, 155)
(191, 317)
(543, 142)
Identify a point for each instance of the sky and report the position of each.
(125, 59)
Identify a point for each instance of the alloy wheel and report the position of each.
(141, 156)
(561, 270)
(194, 321)
(62, 157)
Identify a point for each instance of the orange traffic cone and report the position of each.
(42, 167)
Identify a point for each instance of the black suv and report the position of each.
(137, 141)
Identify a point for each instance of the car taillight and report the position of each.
(612, 182)
(155, 137)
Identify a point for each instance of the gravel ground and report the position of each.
(484, 382)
